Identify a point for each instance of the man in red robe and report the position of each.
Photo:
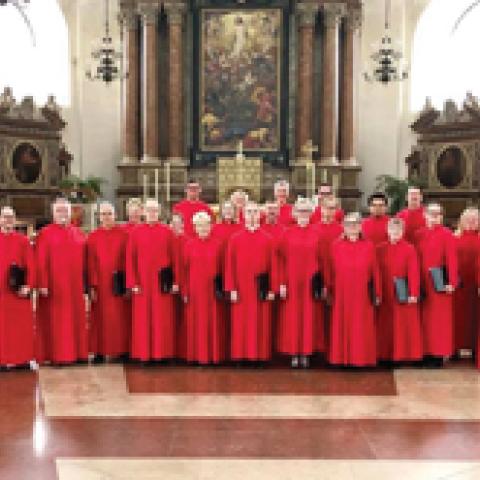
(328, 228)
(16, 315)
(374, 228)
(325, 193)
(281, 191)
(62, 335)
(149, 275)
(399, 335)
(191, 205)
(227, 225)
(134, 214)
(249, 260)
(110, 313)
(436, 248)
(271, 224)
(413, 215)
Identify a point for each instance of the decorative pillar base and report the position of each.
(150, 159)
(128, 160)
(329, 161)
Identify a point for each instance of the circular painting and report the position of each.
(26, 163)
(451, 166)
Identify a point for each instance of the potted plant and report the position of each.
(395, 189)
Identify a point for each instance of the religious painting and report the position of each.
(240, 79)
(26, 163)
(451, 166)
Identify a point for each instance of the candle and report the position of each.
(324, 175)
(335, 182)
(314, 180)
(167, 179)
(156, 184)
(144, 187)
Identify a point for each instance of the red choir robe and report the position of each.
(224, 230)
(179, 242)
(205, 325)
(301, 327)
(436, 248)
(110, 314)
(414, 220)
(399, 334)
(62, 335)
(128, 227)
(352, 332)
(188, 208)
(465, 298)
(317, 215)
(149, 250)
(285, 215)
(16, 315)
(375, 229)
(250, 254)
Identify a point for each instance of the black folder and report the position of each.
(119, 283)
(16, 277)
(439, 278)
(317, 286)
(371, 292)
(218, 287)
(263, 286)
(165, 278)
(401, 289)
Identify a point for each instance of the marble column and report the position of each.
(332, 13)
(347, 88)
(175, 13)
(150, 13)
(306, 14)
(131, 127)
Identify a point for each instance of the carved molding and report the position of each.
(333, 13)
(149, 12)
(306, 14)
(353, 18)
(175, 13)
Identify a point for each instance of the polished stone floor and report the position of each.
(115, 422)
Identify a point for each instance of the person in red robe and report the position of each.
(191, 205)
(374, 228)
(134, 214)
(355, 286)
(271, 224)
(205, 326)
(239, 199)
(301, 328)
(465, 298)
(436, 248)
(110, 312)
(325, 193)
(227, 225)
(62, 335)
(249, 276)
(16, 315)
(413, 215)
(281, 191)
(399, 333)
(149, 275)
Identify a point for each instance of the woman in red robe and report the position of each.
(110, 313)
(250, 259)
(62, 335)
(355, 285)
(205, 326)
(465, 298)
(149, 272)
(301, 328)
(399, 334)
(16, 315)
(436, 248)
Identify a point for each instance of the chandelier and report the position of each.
(387, 65)
(106, 56)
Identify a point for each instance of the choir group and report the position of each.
(294, 280)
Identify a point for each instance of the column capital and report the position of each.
(306, 14)
(353, 18)
(175, 12)
(149, 12)
(333, 13)
(129, 17)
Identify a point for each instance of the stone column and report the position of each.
(329, 114)
(131, 127)
(306, 22)
(347, 99)
(150, 13)
(175, 12)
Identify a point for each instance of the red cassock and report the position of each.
(110, 314)
(205, 325)
(128, 227)
(149, 250)
(301, 326)
(62, 335)
(317, 215)
(414, 220)
(250, 254)
(16, 315)
(399, 333)
(375, 229)
(188, 208)
(465, 298)
(179, 242)
(224, 230)
(285, 216)
(436, 248)
(353, 334)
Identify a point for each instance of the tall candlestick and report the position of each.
(314, 180)
(167, 180)
(324, 175)
(156, 184)
(335, 183)
(145, 187)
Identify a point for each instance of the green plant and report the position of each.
(79, 190)
(395, 189)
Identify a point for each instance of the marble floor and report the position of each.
(115, 422)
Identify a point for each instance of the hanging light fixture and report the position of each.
(387, 65)
(106, 56)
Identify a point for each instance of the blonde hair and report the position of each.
(201, 217)
(461, 221)
(134, 202)
(303, 203)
